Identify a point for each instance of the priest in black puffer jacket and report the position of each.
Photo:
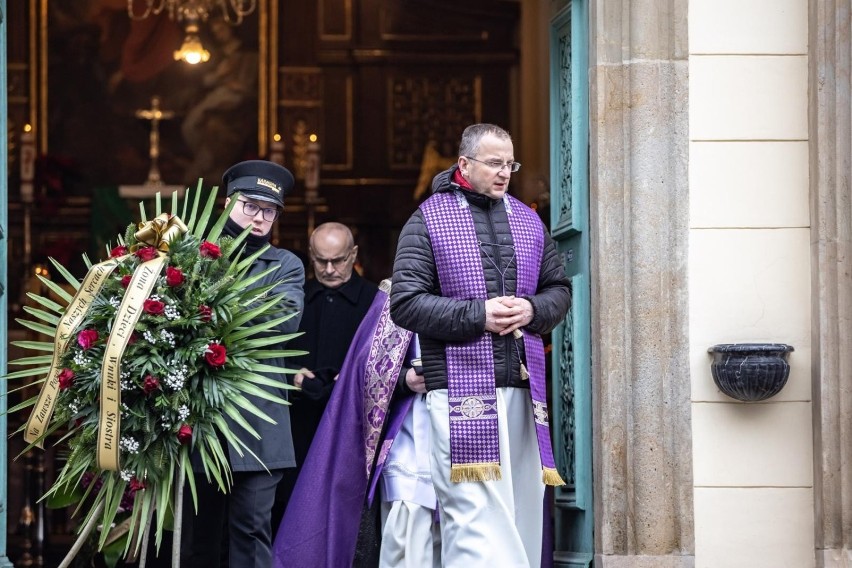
(478, 278)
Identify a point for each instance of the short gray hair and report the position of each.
(473, 134)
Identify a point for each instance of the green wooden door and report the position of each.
(572, 399)
(4, 335)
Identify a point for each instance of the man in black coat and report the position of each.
(259, 187)
(336, 300)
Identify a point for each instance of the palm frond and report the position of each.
(46, 302)
(56, 289)
(65, 274)
(42, 315)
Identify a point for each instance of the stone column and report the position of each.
(831, 248)
(639, 222)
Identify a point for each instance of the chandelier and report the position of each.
(191, 13)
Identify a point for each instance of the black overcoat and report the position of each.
(275, 447)
(329, 322)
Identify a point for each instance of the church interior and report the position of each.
(363, 100)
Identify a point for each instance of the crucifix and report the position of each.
(155, 115)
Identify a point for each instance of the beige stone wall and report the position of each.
(830, 92)
(750, 277)
(638, 96)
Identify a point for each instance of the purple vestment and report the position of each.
(474, 444)
(320, 526)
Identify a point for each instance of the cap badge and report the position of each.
(270, 184)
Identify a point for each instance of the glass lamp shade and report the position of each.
(192, 51)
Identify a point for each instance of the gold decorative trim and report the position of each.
(38, 76)
(273, 67)
(267, 123)
(262, 81)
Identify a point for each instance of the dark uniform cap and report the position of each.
(259, 179)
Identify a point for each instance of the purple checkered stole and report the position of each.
(474, 438)
(388, 347)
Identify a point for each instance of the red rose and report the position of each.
(209, 250)
(134, 337)
(118, 251)
(125, 280)
(66, 379)
(174, 276)
(136, 485)
(153, 307)
(87, 338)
(206, 312)
(184, 434)
(215, 354)
(150, 384)
(146, 253)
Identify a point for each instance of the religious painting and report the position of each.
(105, 70)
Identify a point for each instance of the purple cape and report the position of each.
(320, 525)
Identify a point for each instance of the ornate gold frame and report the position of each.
(267, 118)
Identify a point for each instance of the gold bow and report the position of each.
(160, 231)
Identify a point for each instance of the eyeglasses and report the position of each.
(337, 263)
(513, 166)
(250, 210)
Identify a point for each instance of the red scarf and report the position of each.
(463, 183)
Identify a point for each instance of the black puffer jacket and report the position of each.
(417, 304)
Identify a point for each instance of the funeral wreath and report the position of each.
(148, 355)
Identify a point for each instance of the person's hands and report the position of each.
(496, 314)
(301, 376)
(415, 382)
(504, 314)
(523, 313)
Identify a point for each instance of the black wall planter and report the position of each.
(750, 372)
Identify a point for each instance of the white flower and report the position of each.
(176, 377)
(172, 312)
(81, 359)
(129, 445)
(167, 337)
(183, 412)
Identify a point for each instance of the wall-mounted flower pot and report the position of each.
(750, 372)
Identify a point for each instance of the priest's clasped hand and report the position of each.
(505, 314)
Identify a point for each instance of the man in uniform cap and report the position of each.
(259, 187)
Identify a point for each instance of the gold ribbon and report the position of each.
(159, 231)
(109, 429)
(74, 314)
(156, 233)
